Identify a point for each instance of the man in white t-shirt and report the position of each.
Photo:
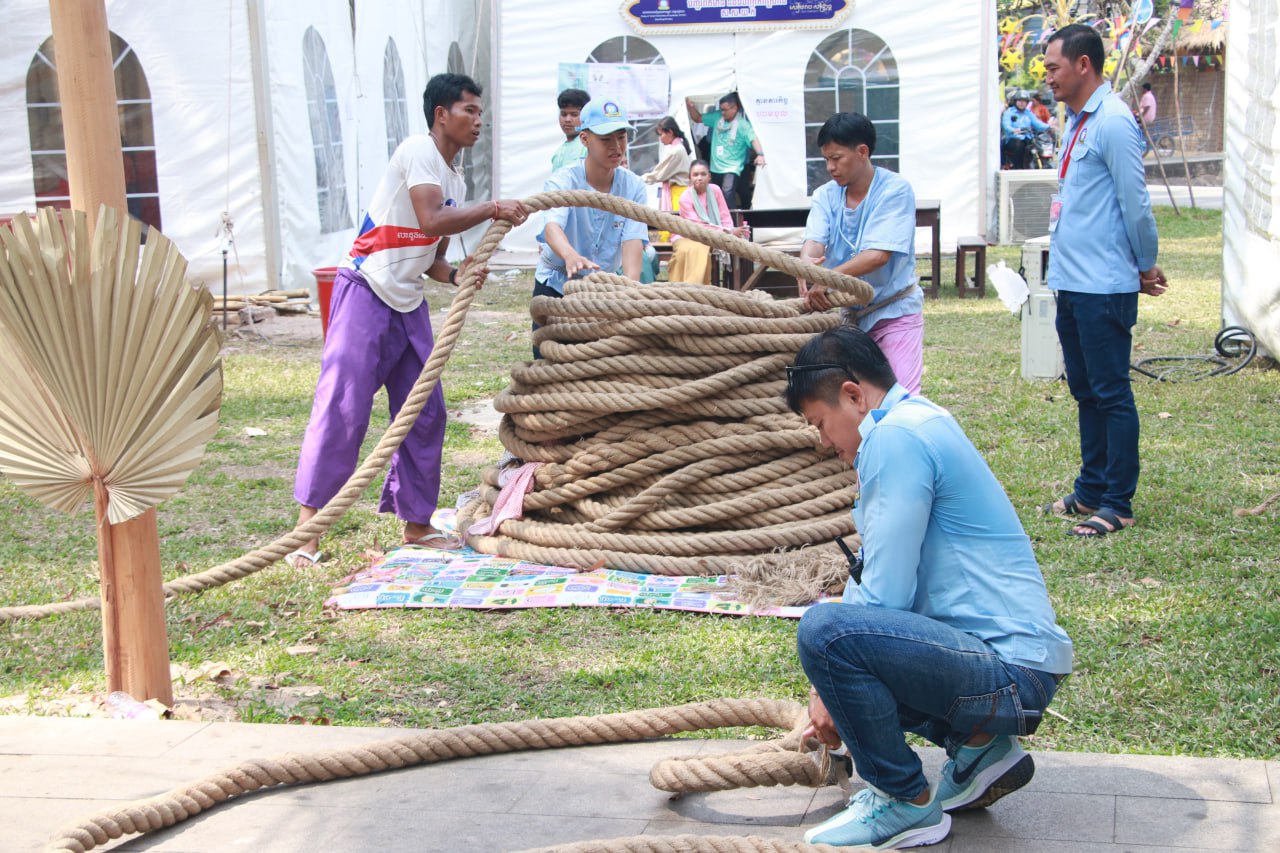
(380, 325)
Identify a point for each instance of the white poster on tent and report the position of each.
(641, 90)
(773, 109)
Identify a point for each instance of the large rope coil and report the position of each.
(781, 762)
(665, 443)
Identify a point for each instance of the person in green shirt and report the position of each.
(571, 102)
(732, 139)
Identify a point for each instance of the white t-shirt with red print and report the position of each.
(391, 253)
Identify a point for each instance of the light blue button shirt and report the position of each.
(940, 537)
(597, 235)
(884, 220)
(1105, 233)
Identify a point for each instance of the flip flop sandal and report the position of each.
(1099, 529)
(293, 557)
(438, 541)
(1070, 506)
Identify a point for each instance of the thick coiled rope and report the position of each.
(666, 446)
(781, 762)
(468, 285)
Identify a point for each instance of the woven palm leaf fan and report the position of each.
(111, 376)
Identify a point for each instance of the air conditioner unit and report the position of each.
(1041, 352)
(1024, 195)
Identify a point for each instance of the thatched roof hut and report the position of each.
(1205, 40)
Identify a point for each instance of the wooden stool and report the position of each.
(977, 247)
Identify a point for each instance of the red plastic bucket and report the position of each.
(324, 284)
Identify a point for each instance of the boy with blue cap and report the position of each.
(576, 240)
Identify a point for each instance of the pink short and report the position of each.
(902, 340)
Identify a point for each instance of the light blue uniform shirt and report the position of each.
(885, 220)
(1105, 233)
(597, 235)
(940, 537)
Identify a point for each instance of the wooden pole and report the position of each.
(1177, 107)
(135, 640)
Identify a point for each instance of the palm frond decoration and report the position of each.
(111, 380)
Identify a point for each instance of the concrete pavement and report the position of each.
(56, 770)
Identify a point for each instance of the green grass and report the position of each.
(1176, 623)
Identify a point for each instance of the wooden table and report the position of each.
(743, 275)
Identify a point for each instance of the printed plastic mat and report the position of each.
(421, 577)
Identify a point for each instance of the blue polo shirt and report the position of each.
(1105, 233)
(595, 234)
(885, 220)
(940, 537)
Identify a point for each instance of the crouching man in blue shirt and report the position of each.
(950, 634)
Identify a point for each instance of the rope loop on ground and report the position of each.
(772, 763)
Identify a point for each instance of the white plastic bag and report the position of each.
(1010, 286)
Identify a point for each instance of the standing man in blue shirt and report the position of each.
(1102, 253)
(576, 240)
(950, 633)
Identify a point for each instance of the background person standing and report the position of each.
(732, 138)
(1102, 249)
(1147, 105)
(570, 102)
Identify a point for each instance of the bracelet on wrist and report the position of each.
(453, 275)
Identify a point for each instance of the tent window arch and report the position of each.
(851, 71)
(395, 103)
(326, 134)
(137, 132)
(642, 154)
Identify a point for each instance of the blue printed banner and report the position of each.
(719, 16)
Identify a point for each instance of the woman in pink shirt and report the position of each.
(703, 202)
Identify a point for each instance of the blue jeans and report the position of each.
(1095, 331)
(883, 672)
(541, 288)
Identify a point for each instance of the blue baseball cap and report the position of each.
(603, 118)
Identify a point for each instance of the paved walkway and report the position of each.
(53, 771)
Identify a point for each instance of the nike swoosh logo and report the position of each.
(962, 776)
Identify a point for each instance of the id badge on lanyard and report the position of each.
(1055, 204)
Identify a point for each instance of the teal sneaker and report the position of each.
(876, 820)
(977, 776)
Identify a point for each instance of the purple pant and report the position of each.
(370, 345)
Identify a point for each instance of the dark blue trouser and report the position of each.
(882, 672)
(1095, 331)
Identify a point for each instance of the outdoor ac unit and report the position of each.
(1025, 195)
(1041, 352)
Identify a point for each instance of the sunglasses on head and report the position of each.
(795, 370)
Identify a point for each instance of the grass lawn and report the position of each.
(1176, 623)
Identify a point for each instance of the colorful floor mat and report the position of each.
(420, 577)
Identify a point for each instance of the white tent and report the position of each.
(947, 118)
(279, 114)
(276, 113)
(1251, 180)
